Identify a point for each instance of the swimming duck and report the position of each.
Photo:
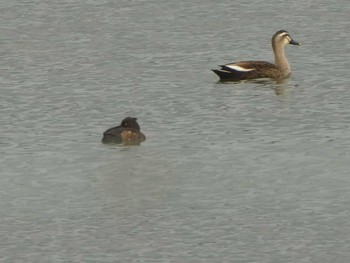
(260, 69)
(127, 133)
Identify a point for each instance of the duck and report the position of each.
(245, 70)
(127, 133)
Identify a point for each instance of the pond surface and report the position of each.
(235, 172)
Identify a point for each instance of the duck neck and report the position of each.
(281, 61)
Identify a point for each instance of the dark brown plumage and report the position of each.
(127, 133)
(261, 69)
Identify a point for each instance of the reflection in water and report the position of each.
(283, 87)
(280, 87)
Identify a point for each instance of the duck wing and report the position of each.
(114, 131)
(246, 70)
(248, 66)
(113, 135)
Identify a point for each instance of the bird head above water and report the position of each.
(130, 123)
(282, 37)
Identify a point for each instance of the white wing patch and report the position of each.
(238, 68)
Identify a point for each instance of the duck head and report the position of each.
(130, 123)
(284, 38)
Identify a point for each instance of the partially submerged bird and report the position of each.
(260, 69)
(127, 133)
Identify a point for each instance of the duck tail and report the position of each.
(223, 74)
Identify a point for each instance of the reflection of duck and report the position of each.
(127, 133)
(261, 69)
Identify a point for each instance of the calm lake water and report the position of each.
(245, 172)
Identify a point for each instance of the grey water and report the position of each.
(254, 171)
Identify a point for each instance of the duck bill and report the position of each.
(292, 42)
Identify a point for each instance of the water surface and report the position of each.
(245, 172)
